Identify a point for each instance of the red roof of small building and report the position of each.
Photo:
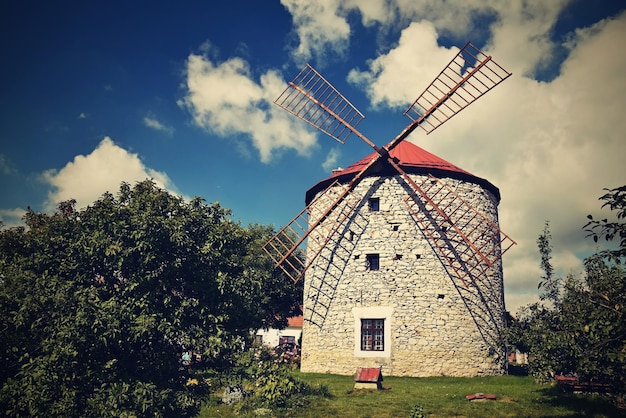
(410, 158)
(295, 321)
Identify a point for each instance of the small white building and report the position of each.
(274, 337)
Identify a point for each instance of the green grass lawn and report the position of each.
(439, 397)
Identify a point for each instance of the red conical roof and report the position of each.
(412, 159)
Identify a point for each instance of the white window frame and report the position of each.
(373, 312)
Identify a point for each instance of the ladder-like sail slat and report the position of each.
(294, 248)
(314, 100)
(455, 87)
(476, 240)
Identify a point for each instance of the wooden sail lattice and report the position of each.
(467, 241)
(469, 75)
(330, 264)
(314, 100)
(293, 249)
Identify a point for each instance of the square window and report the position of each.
(372, 334)
(375, 334)
(374, 204)
(373, 261)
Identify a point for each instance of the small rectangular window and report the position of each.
(286, 340)
(372, 334)
(374, 204)
(373, 262)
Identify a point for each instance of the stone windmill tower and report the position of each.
(401, 251)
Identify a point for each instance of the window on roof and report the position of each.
(373, 261)
(372, 334)
(373, 204)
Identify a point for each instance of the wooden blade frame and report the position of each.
(310, 97)
(467, 77)
(314, 100)
(288, 247)
(445, 217)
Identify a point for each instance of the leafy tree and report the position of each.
(534, 331)
(584, 332)
(97, 305)
(550, 283)
(615, 199)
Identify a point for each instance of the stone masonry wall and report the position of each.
(433, 324)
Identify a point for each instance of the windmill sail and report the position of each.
(314, 100)
(466, 240)
(293, 248)
(469, 75)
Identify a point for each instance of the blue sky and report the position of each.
(96, 93)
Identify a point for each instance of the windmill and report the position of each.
(467, 242)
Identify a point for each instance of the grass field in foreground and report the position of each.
(440, 397)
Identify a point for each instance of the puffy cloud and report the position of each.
(323, 25)
(225, 99)
(11, 217)
(320, 27)
(391, 79)
(87, 177)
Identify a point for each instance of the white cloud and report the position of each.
(225, 99)
(331, 159)
(320, 27)
(152, 122)
(12, 217)
(87, 177)
(391, 79)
